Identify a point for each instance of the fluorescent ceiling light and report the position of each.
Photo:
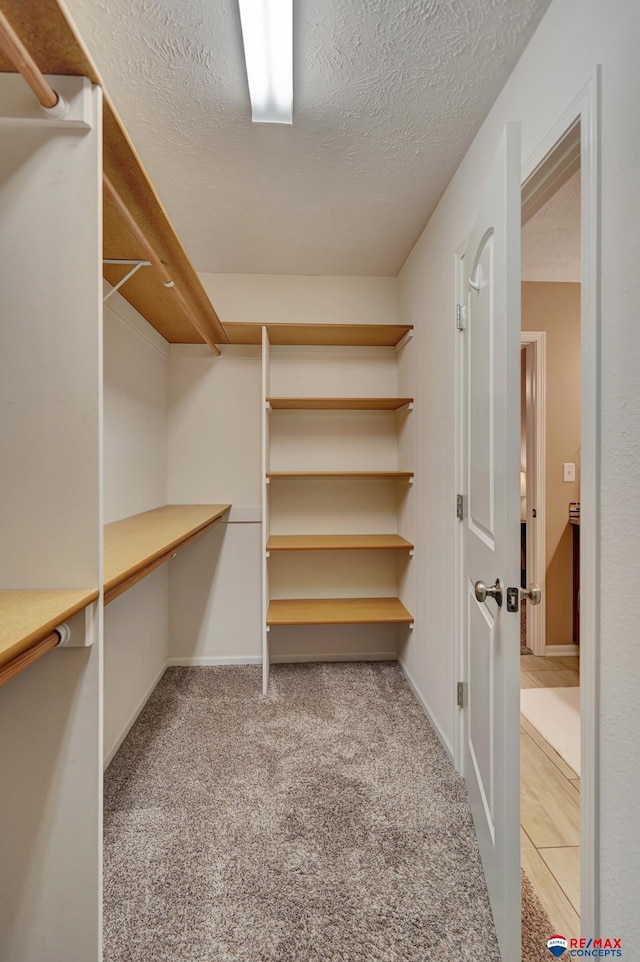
(267, 33)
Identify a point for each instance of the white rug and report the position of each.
(555, 712)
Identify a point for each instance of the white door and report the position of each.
(491, 538)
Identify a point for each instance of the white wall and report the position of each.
(215, 455)
(135, 412)
(215, 606)
(136, 624)
(293, 298)
(136, 649)
(572, 38)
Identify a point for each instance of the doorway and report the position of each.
(533, 421)
(575, 133)
(550, 517)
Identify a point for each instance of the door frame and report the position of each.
(538, 174)
(535, 345)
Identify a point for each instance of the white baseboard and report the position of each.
(342, 656)
(425, 707)
(200, 660)
(562, 650)
(130, 722)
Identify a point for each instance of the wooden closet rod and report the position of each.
(22, 60)
(26, 658)
(15, 50)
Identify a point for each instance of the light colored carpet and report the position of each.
(324, 823)
(536, 926)
(555, 712)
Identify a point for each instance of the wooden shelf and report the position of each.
(27, 616)
(322, 475)
(338, 611)
(339, 403)
(341, 335)
(136, 546)
(52, 39)
(337, 542)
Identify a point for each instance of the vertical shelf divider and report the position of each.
(265, 506)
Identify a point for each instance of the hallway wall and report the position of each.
(561, 57)
(555, 308)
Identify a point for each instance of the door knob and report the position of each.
(495, 592)
(532, 593)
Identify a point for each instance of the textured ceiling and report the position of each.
(388, 96)
(551, 239)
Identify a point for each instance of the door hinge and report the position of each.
(460, 507)
(460, 694)
(461, 316)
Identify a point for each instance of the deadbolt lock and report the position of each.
(513, 599)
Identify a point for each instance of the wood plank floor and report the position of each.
(550, 804)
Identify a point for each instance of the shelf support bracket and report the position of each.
(403, 340)
(136, 267)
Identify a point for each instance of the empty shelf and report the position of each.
(27, 616)
(338, 403)
(336, 542)
(337, 611)
(320, 475)
(135, 546)
(342, 335)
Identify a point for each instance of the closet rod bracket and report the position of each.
(136, 267)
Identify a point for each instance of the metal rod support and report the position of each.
(156, 263)
(123, 260)
(124, 280)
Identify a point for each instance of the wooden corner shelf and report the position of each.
(322, 475)
(339, 403)
(337, 611)
(326, 611)
(136, 546)
(337, 542)
(338, 335)
(27, 618)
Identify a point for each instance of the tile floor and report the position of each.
(550, 804)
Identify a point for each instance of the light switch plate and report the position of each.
(568, 472)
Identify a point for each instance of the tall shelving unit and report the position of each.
(312, 439)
